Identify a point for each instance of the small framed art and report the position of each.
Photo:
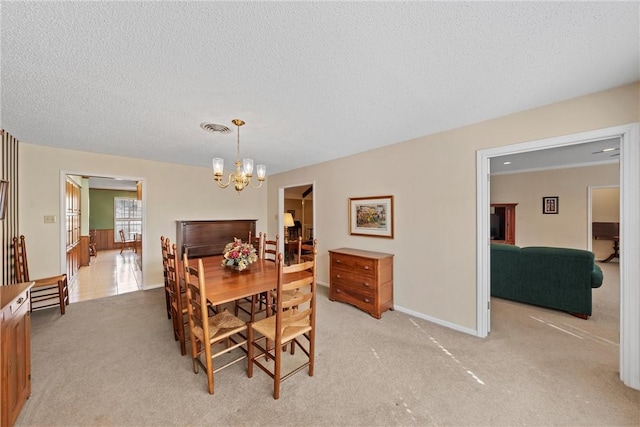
(550, 205)
(371, 216)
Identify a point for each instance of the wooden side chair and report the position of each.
(305, 250)
(222, 332)
(294, 320)
(177, 297)
(256, 241)
(93, 249)
(270, 248)
(126, 243)
(49, 290)
(254, 304)
(305, 253)
(167, 289)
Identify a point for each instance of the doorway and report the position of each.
(107, 270)
(629, 229)
(299, 202)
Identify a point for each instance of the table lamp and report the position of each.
(288, 222)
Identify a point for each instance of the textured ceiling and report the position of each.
(313, 80)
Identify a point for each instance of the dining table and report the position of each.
(225, 284)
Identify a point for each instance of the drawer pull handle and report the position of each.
(338, 291)
(366, 300)
(338, 261)
(366, 267)
(338, 276)
(366, 285)
(20, 300)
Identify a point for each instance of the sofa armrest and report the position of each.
(596, 276)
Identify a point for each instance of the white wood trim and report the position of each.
(630, 257)
(483, 313)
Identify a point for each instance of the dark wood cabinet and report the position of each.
(363, 279)
(209, 237)
(503, 223)
(16, 351)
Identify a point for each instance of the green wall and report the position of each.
(101, 207)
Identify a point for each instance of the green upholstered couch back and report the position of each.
(558, 278)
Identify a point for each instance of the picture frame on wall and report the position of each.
(550, 205)
(371, 216)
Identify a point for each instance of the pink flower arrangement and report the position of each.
(239, 255)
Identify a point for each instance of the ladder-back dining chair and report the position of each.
(256, 242)
(93, 248)
(46, 292)
(294, 320)
(254, 304)
(126, 243)
(167, 290)
(211, 336)
(305, 250)
(177, 297)
(270, 248)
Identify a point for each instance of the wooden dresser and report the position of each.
(362, 278)
(15, 354)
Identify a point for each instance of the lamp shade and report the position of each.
(288, 220)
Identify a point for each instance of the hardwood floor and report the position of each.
(110, 273)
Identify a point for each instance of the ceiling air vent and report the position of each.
(215, 128)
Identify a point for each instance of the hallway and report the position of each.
(110, 273)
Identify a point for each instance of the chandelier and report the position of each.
(244, 169)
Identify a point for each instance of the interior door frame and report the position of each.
(62, 213)
(629, 235)
(281, 208)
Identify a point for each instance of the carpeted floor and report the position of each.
(113, 361)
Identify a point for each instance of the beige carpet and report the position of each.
(113, 361)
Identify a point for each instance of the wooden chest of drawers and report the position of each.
(15, 366)
(363, 279)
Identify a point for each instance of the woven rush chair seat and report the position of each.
(267, 326)
(221, 326)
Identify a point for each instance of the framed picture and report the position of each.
(550, 205)
(371, 216)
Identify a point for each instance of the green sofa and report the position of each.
(557, 278)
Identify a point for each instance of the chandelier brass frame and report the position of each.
(241, 179)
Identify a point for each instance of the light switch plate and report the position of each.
(49, 219)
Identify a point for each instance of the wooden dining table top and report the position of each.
(225, 284)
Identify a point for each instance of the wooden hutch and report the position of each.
(503, 223)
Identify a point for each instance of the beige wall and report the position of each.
(433, 180)
(569, 228)
(171, 192)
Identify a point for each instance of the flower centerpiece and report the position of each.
(239, 255)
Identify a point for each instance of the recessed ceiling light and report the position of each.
(604, 150)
